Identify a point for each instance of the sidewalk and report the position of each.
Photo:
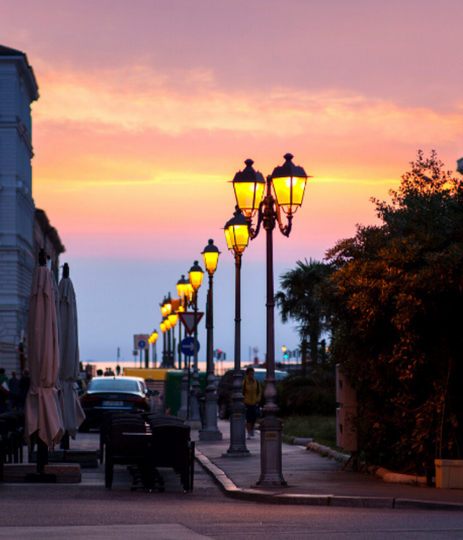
(313, 479)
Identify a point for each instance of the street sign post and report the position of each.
(188, 320)
(141, 342)
(187, 346)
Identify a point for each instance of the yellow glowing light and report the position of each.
(238, 238)
(211, 257)
(289, 192)
(172, 318)
(249, 196)
(196, 276)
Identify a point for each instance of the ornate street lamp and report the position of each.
(173, 318)
(153, 338)
(163, 328)
(196, 278)
(237, 237)
(284, 192)
(166, 310)
(210, 432)
(183, 292)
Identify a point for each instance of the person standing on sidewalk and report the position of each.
(252, 392)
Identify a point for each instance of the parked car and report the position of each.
(225, 387)
(120, 394)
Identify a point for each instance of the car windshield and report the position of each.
(113, 385)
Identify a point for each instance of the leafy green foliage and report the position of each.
(396, 304)
(308, 393)
(300, 301)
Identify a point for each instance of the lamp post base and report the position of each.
(210, 435)
(271, 453)
(194, 424)
(237, 431)
(210, 432)
(183, 411)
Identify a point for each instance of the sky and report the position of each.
(148, 108)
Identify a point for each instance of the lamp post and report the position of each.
(173, 318)
(162, 326)
(168, 361)
(182, 290)
(210, 432)
(154, 337)
(196, 278)
(237, 237)
(166, 309)
(284, 192)
(177, 308)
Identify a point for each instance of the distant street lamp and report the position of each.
(163, 328)
(285, 189)
(153, 338)
(237, 237)
(183, 293)
(196, 278)
(173, 318)
(166, 310)
(210, 432)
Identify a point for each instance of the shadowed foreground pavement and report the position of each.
(315, 480)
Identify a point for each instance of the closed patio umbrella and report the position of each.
(73, 415)
(43, 419)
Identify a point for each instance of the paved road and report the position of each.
(88, 511)
(47, 512)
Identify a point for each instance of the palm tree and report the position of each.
(300, 300)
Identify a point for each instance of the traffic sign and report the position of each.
(187, 346)
(141, 341)
(188, 320)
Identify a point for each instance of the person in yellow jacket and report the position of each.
(252, 392)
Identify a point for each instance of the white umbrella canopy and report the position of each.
(42, 410)
(73, 415)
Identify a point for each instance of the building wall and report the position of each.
(18, 89)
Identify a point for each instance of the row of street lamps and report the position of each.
(171, 308)
(266, 200)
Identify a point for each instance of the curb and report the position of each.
(255, 495)
(381, 472)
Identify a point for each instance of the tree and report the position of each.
(396, 302)
(300, 301)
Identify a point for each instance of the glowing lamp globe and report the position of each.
(249, 186)
(211, 257)
(172, 318)
(196, 276)
(237, 232)
(289, 183)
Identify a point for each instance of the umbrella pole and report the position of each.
(42, 456)
(42, 459)
(65, 441)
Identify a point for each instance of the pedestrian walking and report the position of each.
(252, 392)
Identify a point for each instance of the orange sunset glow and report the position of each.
(147, 110)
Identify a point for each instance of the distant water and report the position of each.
(220, 367)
